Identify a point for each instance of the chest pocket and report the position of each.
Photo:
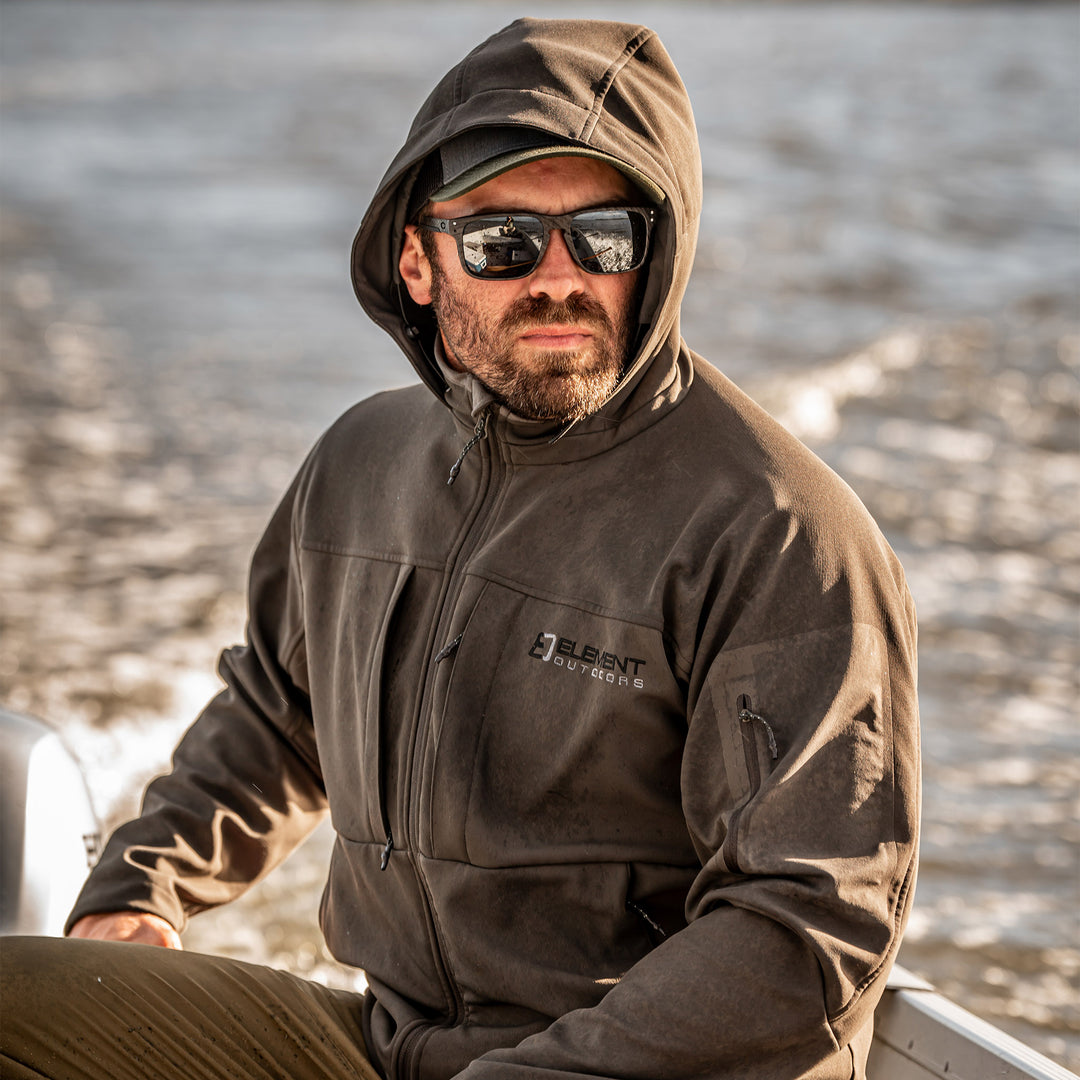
(557, 737)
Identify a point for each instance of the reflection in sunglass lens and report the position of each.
(604, 241)
(502, 246)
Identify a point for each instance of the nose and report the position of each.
(557, 275)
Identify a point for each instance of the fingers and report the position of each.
(133, 926)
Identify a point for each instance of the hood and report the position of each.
(608, 86)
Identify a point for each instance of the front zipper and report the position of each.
(412, 798)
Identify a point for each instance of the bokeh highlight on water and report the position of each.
(889, 260)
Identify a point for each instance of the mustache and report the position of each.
(531, 311)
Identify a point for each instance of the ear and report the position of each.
(414, 267)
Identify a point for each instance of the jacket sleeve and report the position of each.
(245, 786)
(800, 789)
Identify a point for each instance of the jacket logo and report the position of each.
(596, 663)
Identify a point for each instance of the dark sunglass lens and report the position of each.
(609, 241)
(503, 246)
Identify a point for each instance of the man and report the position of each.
(607, 681)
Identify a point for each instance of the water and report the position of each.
(889, 260)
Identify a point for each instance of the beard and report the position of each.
(549, 384)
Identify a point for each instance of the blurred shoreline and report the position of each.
(889, 261)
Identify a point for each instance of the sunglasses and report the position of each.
(503, 245)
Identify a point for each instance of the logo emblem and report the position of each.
(590, 660)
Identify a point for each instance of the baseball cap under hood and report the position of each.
(480, 154)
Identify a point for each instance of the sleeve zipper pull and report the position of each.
(478, 434)
(385, 860)
(747, 717)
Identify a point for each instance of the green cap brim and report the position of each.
(496, 166)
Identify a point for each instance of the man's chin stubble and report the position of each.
(554, 388)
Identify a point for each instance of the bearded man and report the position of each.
(607, 682)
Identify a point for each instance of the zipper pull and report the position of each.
(646, 918)
(385, 860)
(748, 716)
(478, 434)
(447, 649)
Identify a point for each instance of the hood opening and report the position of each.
(607, 87)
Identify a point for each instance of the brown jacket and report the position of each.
(618, 732)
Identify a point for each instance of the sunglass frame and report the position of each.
(457, 227)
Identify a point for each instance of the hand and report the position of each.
(143, 929)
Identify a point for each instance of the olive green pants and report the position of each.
(91, 1010)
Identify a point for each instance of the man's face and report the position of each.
(552, 345)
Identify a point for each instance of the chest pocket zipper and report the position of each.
(750, 722)
(748, 716)
(448, 649)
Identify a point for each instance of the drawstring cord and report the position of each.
(478, 434)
